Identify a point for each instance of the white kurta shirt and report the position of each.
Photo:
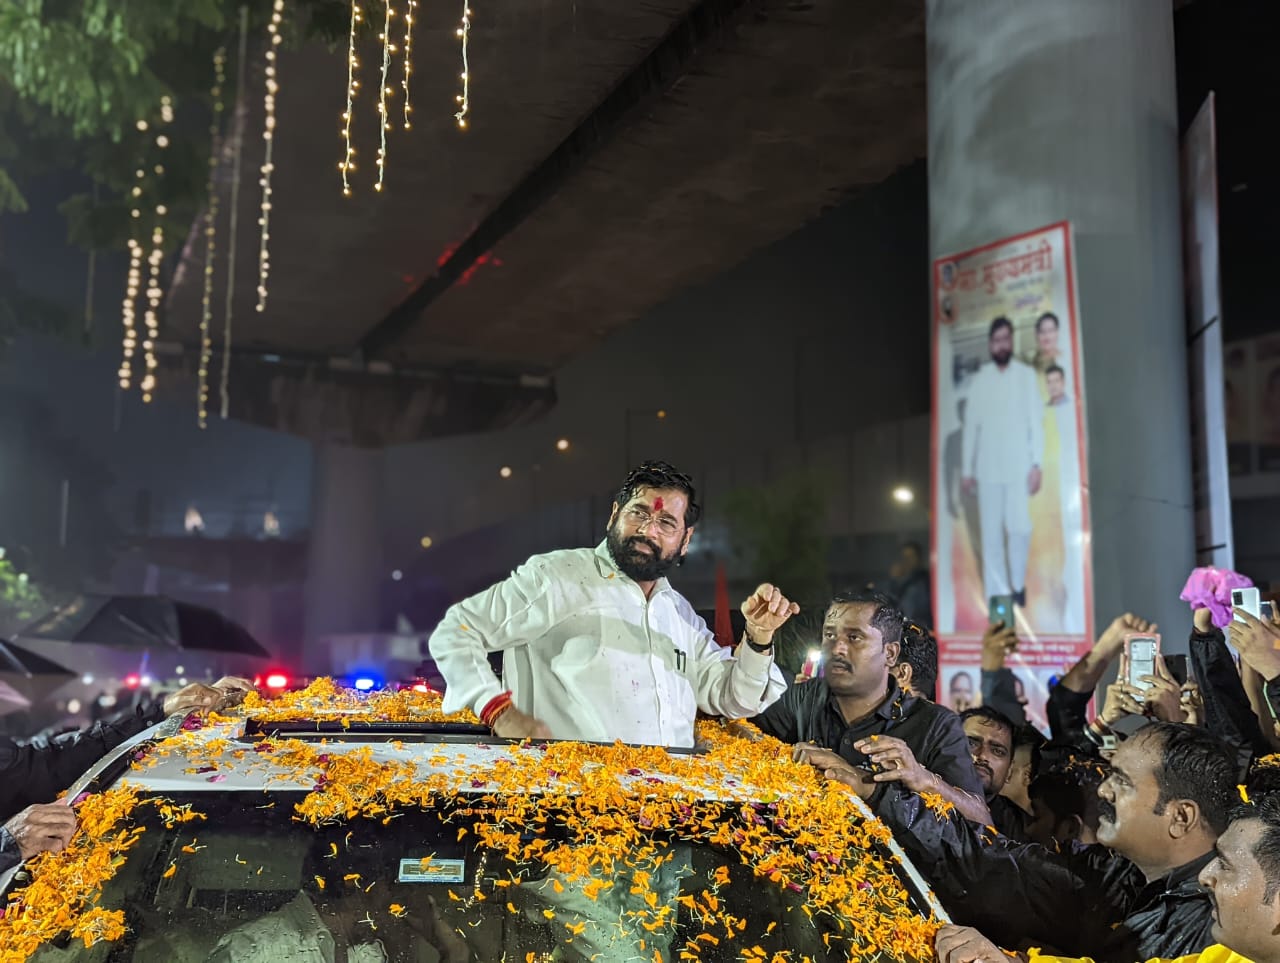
(1003, 424)
(587, 654)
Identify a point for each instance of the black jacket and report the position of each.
(35, 772)
(1227, 711)
(1009, 818)
(808, 713)
(1068, 714)
(1081, 901)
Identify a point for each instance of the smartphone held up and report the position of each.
(1000, 610)
(1247, 600)
(1141, 652)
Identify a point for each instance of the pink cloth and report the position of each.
(1210, 588)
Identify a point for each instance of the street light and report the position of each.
(426, 541)
(562, 444)
(505, 471)
(903, 495)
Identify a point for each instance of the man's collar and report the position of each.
(1182, 879)
(893, 708)
(1186, 876)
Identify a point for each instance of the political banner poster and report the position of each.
(1010, 520)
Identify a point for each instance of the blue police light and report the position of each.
(364, 683)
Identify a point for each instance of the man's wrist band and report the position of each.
(494, 708)
(762, 649)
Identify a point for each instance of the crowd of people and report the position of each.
(1149, 832)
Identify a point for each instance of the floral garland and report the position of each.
(64, 886)
(612, 809)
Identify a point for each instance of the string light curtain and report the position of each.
(464, 98)
(268, 137)
(210, 237)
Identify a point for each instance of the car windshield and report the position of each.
(250, 882)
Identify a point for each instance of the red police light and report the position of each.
(277, 680)
(132, 681)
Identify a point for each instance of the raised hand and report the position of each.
(1112, 640)
(1163, 696)
(1257, 642)
(765, 611)
(1192, 703)
(998, 643)
(1121, 699)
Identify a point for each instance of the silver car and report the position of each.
(339, 836)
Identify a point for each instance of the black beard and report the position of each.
(1001, 358)
(636, 565)
(1106, 811)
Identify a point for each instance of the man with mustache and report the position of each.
(990, 735)
(1243, 880)
(596, 645)
(858, 714)
(1003, 449)
(1132, 896)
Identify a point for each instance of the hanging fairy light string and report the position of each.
(348, 163)
(268, 135)
(128, 316)
(408, 56)
(464, 98)
(128, 312)
(155, 261)
(210, 237)
(384, 122)
(152, 317)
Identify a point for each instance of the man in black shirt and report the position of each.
(990, 735)
(858, 715)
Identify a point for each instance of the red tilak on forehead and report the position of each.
(657, 504)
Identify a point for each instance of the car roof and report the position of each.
(274, 745)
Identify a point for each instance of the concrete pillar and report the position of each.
(344, 563)
(1041, 111)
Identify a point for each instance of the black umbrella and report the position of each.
(32, 675)
(142, 622)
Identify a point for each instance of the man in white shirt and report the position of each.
(1063, 409)
(596, 643)
(1003, 447)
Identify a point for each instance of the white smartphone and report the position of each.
(1142, 651)
(1249, 599)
